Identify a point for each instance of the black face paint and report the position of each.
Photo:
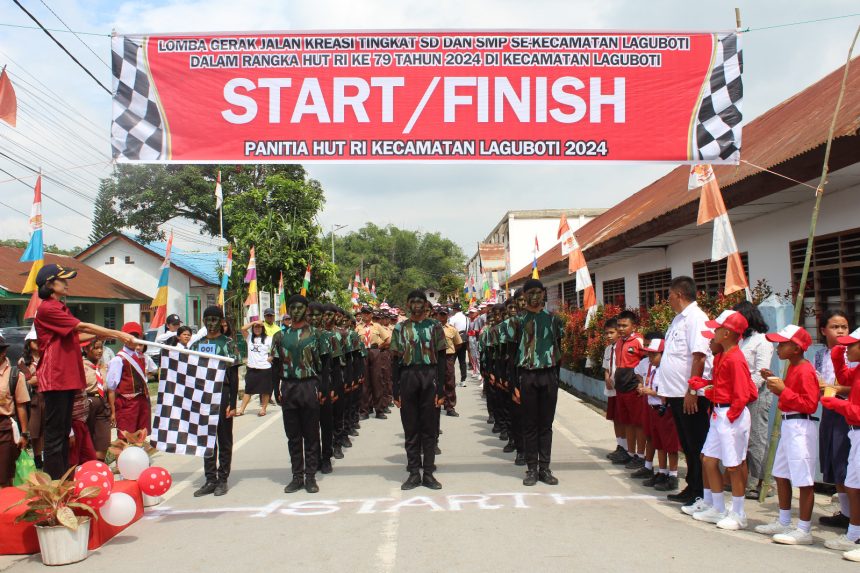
(212, 324)
(417, 307)
(316, 318)
(521, 302)
(534, 297)
(298, 311)
(328, 318)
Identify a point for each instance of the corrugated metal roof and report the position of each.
(203, 265)
(799, 124)
(89, 283)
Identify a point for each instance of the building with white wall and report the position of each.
(635, 249)
(193, 282)
(517, 231)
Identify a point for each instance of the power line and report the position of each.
(56, 41)
(55, 30)
(76, 35)
(43, 222)
(787, 24)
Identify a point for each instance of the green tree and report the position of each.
(19, 244)
(105, 218)
(400, 260)
(270, 207)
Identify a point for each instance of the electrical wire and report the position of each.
(87, 46)
(787, 24)
(43, 222)
(56, 41)
(55, 30)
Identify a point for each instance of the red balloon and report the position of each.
(98, 467)
(84, 480)
(154, 481)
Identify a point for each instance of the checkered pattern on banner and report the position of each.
(189, 402)
(718, 125)
(137, 130)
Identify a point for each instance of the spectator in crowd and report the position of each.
(27, 364)
(758, 353)
(684, 357)
(13, 401)
(258, 374)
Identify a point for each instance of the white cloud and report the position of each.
(461, 201)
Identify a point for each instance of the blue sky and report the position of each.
(460, 201)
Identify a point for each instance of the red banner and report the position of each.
(427, 96)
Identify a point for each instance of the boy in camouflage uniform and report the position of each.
(538, 361)
(337, 368)
(301, 355)
(418, 349)
(326, 388)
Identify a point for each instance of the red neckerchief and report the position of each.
(100, 382)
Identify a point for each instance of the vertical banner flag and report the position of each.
(712, 208)
(252, 302)
(159, 303)
(373, 289)
(8, 100)
(565, 235)
(492, 256)
(355, 285)
(430, 95)
(35, 251)
(225, 276)
(306, 282)
(474, 298)
(485, 287)
(576, 264)
(495, 283)
(535, 274)
(189, 403)
(219, 193)
(282, 297)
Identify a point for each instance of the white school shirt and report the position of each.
(823, 363)
(649, 378)
(609, 366)
(258, 353)
(642, 368)
(683, 338)
(459, 321)
(758, 351)
(114, 371)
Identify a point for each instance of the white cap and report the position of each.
(31, 335)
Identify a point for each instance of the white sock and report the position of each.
(738, 505)
(649, 465)
(622, 442)
(785, 517)
(853, 532)
(631, 454)
(804, 526)
(719, 501)
(673, 473)
(844, 505)
(662, 471)
(708, 497)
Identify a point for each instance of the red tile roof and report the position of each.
(796, 126)
(89, 284)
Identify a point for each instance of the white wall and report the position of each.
(143, 276)
(766, 240)
(521, 234)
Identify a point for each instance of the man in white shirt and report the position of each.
(684, 356)
(461, 323)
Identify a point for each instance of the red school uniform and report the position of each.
(801, 390)
(846, 376)
(733, 385)
(628, 404)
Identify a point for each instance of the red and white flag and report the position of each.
(724, 246)
(576, 265)
(8, 100)
(219, 193)
(565, 235)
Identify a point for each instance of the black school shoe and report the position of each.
(520, 460)
(615, 453)
(207, 489)
(413, 481)
(491, 420)
(311, 485)
(531, 478)
(325, 467)
(668, 484)
(337, 452)
(642, 473)
(685, 496)
(346, 442)
(221, 489)
(430, 482)
(635, 463)
(654, 480)
(622, 459)
(545, 475)
(837, 520)
(295, 485)
(509, 447)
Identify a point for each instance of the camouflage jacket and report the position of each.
(301, 350)
(417, 343)
(539, 336)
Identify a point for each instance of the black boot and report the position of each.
(295, 485)
(413, 481)
(207, 489)
(311, 484)
(337, 452)
(504, 436)
(221, 488)
(545, 475)
(325, 467)
(346, 442)
(531, 477)
(509, 447)
(521, 460)
(430, 482)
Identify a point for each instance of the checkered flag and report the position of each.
(718, 125)
(137, 130)
(189, 403)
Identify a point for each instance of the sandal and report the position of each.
(237, 414)
(261, 413)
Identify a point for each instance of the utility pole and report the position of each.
(335, 228)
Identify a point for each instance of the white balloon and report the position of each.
(132, 461)
(119, 509)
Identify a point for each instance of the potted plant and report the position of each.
(51, 504)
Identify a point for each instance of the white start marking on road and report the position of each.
(394, 506)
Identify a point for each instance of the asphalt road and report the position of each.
(483, 519)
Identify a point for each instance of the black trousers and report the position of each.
(326, 429)
(58, 425)
(461, 357)
(539, 395)
(338, 408)
(216, 466)
(418, 414)
(301, 408)
(692, 432)
(516, 420)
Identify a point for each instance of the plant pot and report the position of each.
(151, 501)
(60, 545)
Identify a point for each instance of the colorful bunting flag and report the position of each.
(219, 193)
(306, 283)
(535, 274)
(225, 276)
(282, 296)
(159, 303)
(35, 251)
(8, 100)
(252, 302)
(712, 208)
(373, 289)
